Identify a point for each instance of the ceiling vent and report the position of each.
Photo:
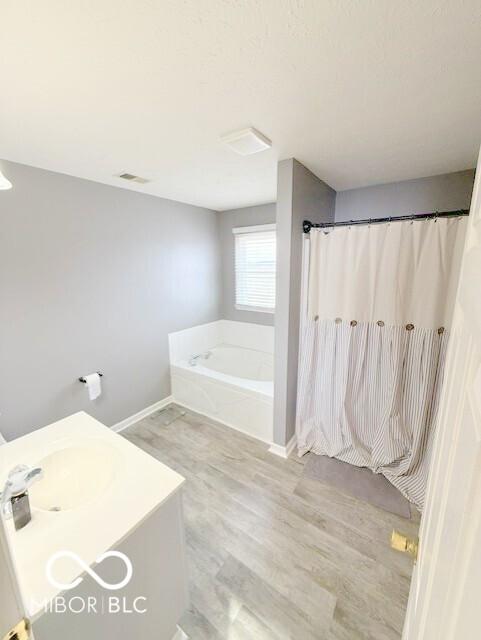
(247, 141)
(131, 178)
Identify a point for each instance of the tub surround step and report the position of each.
(231, 380)
(217, 419)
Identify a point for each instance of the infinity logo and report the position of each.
(87, 569)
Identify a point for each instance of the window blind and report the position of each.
(255, 268)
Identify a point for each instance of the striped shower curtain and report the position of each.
(373, 345)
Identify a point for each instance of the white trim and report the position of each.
(246, 307)
(216, 419)
(123, 424)
(283, 452)
(254, 229)
(180, 635)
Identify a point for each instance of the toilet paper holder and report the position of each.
(82, 379)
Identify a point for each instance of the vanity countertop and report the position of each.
(126, 487)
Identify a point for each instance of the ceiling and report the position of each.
(360, 92)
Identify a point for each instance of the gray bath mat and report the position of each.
(359, 482)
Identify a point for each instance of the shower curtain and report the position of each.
(373, 344)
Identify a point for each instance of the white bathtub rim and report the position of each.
(246, 384)
(239, 346)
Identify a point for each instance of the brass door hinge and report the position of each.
(20, 631)
(402, 543)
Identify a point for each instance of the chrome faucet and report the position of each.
(14, 500)
(193, 360)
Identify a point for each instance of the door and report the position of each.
(445, 597)
(12, 610)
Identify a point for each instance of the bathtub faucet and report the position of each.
(193, 360)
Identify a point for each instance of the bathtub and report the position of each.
(231, 379)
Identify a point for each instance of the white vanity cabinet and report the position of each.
(104, 554)
(152, 603)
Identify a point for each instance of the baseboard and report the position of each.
(123, 424)
(283, 452)
(216, 419)
(276, 449)
(180, 635)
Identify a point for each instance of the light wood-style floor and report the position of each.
(273, 554)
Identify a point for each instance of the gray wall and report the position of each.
(228, 220)
(300, 194)
(93, 277)
(438, 193)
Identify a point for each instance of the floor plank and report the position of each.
(273, 554)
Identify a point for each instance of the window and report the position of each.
(255, 268)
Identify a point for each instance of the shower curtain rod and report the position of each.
(307, 225)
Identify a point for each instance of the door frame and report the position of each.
(422, 605)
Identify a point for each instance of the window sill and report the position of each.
(241, 307)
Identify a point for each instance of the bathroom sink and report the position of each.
(74, 476)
